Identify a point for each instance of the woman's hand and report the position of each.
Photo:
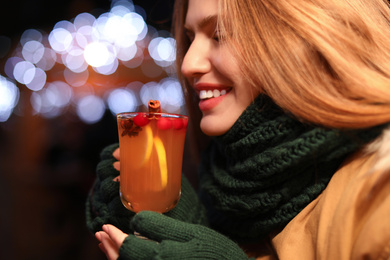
(111, 239)
(167, 238)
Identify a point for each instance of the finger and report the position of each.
(109, 247)
(117, 166)
(117, 179)
(98, 236)
(116, 235)
(159, 227)
(116, 153)
(101, 247)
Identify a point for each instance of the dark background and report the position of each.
(48, 165)
(19, 15)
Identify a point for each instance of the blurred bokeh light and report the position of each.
(9, 97)
(74, 53)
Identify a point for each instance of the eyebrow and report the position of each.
(211, 19)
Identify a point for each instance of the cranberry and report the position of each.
(185, 123)
(141, 120)
(177, 124)
(164, 123)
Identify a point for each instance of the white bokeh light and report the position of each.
(120, 31)
(139, 24)
(116, 38)
(83, 19)
(60, 40)
(122, 100)
(33, 51)
(85, 35)
(74, 60)
(9, 96)
(135, 61)
(24, 72)
(174, 97)
(31, 35)
(126, 53)
(108, 68)
(97, 54)
(163, 51)
(67, 25)
(99, 25)
(166, 49)
(42, 104)
(121, 7)
(61, 93)
(10, 66)
(38, 81)
(48, 60)
(90, 109)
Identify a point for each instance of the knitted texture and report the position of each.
(104, 206)
(176, 240)
(268, 167)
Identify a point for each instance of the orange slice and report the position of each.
(162, 161)
(149, 144)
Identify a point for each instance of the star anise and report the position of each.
(130, 128)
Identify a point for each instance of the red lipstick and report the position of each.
(209, 103)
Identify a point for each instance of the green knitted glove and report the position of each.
(173, 239)
(189, 208)
(103, 203)
(105, 207)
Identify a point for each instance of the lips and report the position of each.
(210, 95)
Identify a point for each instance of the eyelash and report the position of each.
(216, 36)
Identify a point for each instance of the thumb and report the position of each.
(159, 227)
(116, 235)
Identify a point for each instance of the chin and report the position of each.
(212, 128)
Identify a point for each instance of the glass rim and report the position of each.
(163, 114)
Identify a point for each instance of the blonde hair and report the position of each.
(326, 62)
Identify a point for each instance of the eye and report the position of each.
(218, 36)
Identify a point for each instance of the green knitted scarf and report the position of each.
(268, 167)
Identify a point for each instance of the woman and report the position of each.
(296, 97)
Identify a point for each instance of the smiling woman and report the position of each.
(295, 96)
(209, 67)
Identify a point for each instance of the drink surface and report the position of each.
(151, 154)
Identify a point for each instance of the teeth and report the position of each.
(203, 94)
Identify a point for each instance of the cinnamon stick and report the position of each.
(154, 106)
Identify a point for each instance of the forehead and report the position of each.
(199, 9)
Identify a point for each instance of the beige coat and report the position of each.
(349, 220)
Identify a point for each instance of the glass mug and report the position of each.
(151, 156)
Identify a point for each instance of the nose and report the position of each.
(196, 61)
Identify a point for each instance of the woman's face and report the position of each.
(212, 71)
